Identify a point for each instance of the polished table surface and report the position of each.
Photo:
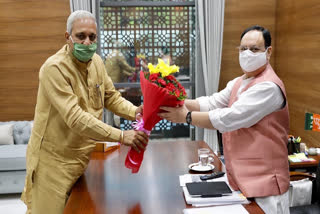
(107, 187)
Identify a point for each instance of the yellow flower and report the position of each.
(174, 69)
(163, 68)
(152, 69)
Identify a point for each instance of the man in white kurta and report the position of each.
(252, 114)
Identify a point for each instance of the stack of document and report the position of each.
(235, 198)
(229, 209)
(299, 157)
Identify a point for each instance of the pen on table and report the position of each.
(214, 195)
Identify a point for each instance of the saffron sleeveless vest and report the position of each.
(257, 158)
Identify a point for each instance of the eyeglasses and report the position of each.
(253, 49)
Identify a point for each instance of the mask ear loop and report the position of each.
(71, 39)
(268, 57)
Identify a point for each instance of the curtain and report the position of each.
(210, 20)
(88, 5)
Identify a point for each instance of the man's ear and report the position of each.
(67, 35)
(269, 52)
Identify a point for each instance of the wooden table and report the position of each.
(107, 187)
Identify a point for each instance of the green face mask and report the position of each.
(84, 52)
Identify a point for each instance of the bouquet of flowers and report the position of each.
(159, 88)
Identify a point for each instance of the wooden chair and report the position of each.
(295, 176)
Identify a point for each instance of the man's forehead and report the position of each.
(253, 37)
(84, 24)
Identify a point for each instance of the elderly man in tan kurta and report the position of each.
(73, 89)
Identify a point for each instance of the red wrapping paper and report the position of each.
(153, 97)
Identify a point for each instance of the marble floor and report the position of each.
(11, 204)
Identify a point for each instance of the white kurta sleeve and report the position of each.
(217, 100)
(251, 106)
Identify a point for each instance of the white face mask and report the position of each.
(250, 61)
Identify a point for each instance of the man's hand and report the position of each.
(138, 140)
(174, 114)
(139, 112)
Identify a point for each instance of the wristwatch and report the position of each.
(188, 117)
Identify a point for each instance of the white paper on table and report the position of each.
(110, 144)
(229, 209)
(212, 204)
(235, 198)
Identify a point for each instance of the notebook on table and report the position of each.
(209, 189)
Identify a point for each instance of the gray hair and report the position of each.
(78, 14)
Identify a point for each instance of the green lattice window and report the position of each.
(145, 27)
